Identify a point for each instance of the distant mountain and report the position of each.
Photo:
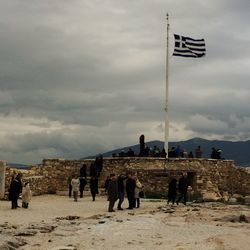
(238, 151)
(17, 165)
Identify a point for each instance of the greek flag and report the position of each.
(189, 47)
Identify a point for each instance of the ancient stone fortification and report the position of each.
(205, 175)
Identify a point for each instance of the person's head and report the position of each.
(112, 176)
(26, 184)
(184, 174)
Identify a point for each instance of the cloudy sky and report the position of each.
(82, 77)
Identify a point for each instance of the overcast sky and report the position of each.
(82, 77)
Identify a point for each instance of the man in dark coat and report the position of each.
(183, 187)
(130, 189)
(112, 192)
(94, 187)
(15, 190)
(82, 179)
(172, 191)
(121, 190)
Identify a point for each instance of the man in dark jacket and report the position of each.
(121, 190)
(172, 191)
(130, 189)
(183, 187)
(112, 192)
(94, 187)
(15, 190)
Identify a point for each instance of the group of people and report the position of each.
(17, 187)
(116, 188)
(181, 189)
(147, 152)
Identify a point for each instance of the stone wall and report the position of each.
(155, 174)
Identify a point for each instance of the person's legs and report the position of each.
(121, 199)
(75, 193)
(179, 199)
(130, 200)
(138, 202)
(81, 193)
(70, 191)
(185, 198)
(111, 206)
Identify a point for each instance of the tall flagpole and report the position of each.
(166, 101)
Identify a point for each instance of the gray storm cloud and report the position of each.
(81, 77)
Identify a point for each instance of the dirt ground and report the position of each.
(58, 223)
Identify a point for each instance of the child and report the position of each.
(26, 195)
(75, 187)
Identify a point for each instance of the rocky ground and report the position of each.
(57, 223)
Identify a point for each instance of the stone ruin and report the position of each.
(209, 179)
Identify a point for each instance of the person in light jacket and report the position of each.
(138, 187)
(26, 195)
(75, 183)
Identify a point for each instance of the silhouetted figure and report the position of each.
(172, 153)
(14, 192)
(172, 191)
(130, 189)
(112, 192)
(122, 154)
(83, 183)
(94, 187)
(190, 155)
(142, 145)
(216, 153)
(198, 152)
(156, 152)
(163, 153)
(178, 151)
(130, 153)
(182, 187)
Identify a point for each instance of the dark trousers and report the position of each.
(184, 196)
(81, 193)
(111, 205)
(70, 190)
(93, 196)
(14, 203)
(25, 204)
(171, 198)
(121, 199)
(137, 202)
(131, 199)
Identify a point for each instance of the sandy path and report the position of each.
(154, 226)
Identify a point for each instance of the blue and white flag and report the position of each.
(189, 47)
